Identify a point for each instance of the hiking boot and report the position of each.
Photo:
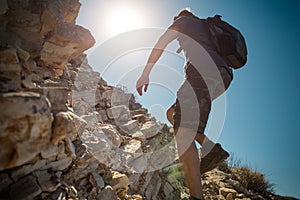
(213, 158)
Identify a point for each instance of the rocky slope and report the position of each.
(65, 133)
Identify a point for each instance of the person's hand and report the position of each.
(143, 81)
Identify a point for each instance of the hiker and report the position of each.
(207, 76)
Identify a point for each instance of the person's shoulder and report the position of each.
(180, 22)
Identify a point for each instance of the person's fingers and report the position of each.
(139, 90)
(146, 87)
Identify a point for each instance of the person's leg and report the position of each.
(201, 138)
(188, 156)
(212, 154)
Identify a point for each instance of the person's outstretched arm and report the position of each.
(155, 54)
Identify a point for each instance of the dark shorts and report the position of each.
(193, 102)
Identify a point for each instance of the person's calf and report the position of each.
(189, 157)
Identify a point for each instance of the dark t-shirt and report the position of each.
(192, 30)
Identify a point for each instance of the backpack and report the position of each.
(227, 41)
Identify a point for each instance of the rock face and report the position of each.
(26, 123)
(65, 133)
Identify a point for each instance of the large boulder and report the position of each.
(25, 127)
(46, 29)
(66, 42)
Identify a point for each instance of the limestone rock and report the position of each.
(151, 128)
(108, 194)
(58, 11)
(134, 146)
(93, 119)
(25, 127)
(153, 187)
(70, 148)
(5, 181)
(137, 162)
(67, 124)
(58, 165)
(139, 136)
(49, 150)
(58, 97)
(97, 181)
(26, 188)
(9, 56)
(66, 42)
(228, 193)
(86, 81)
(112, 134)
(130, 127)
(117, 111)
(16, 174)
(119, 182)
(119, 97)
(10, 70)
(48, 182)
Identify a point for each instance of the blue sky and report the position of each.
(262, 104)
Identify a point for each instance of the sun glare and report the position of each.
(123, 19)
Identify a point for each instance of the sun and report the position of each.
(123, 19)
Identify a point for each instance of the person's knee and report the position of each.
(184, 136)
(169, 114)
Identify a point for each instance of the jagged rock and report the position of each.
(72, 192)
(107, 193)
(39, 74)
(112, 134)
(25, 127)
(18, 173)
(117, 111)
(103, 115)
(49, 151)
(92, 97)
(138, 162)
(237, 186)
(81, 107)
(26, 188)
(141, 118)
(58, 97)
(10, 68)
(24, 25)
(153, 187)
(9, 56)
(117, 96)
(169, 191)
(58, 194)
(228, 193)
(59, 11)
(70, 148)
(86, 80)
(119, 182)
(66, 42)
(139, 136)
(97, 181)
(5, 181)
(134, 146)
(130, 127)
(93, 119)
(67, 124)
(151, 128)
(48, 182)
(59, 165)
